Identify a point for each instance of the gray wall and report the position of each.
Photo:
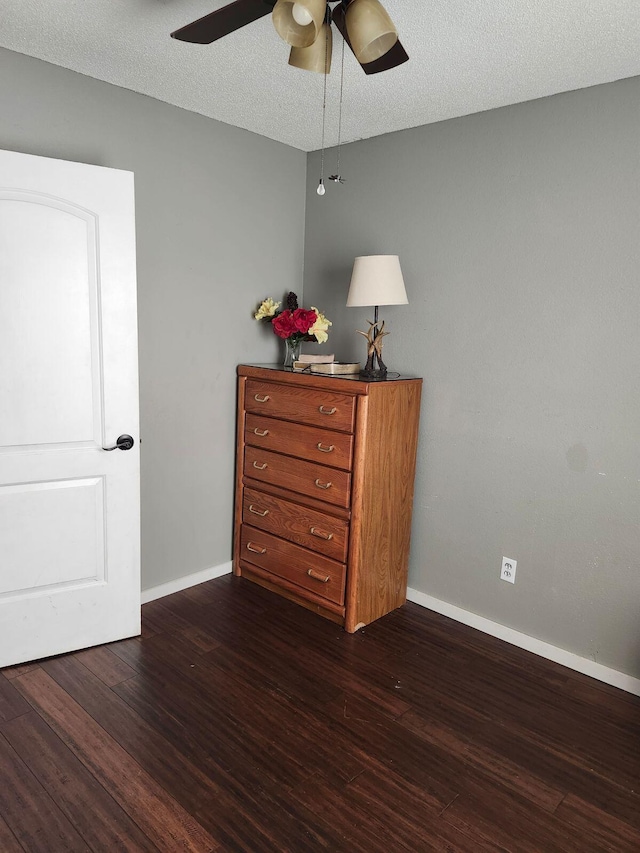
(518, 232)
(206, 195)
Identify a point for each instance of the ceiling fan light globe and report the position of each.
(371, 31)
(316, 57)
(287, 14)
(301, 15)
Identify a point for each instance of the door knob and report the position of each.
(123, 442)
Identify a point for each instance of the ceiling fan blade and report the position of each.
(224, 21)
(396, 56)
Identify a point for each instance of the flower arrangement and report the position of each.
(294, 324)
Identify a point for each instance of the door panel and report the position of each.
(49, 378)
(38, 520)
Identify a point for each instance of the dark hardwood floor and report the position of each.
(241, 722)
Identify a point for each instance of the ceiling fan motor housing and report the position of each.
(364, 24)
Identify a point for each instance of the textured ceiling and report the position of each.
(465, 56)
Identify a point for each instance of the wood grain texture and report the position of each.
(12, 703)
(28, 810)
(319, 407)
(300, 498)
(8, 842)
(603, 828)
(11, 672)
(274, 373)
(306, 569)
(159, 816)
(256, 771)
(383, 501)
(291, 591)
(320, 531)
(356, 545)
(101, 822)
(240, 428)
(299, 476)
(324, 446)
(107, 666)
(250, 724)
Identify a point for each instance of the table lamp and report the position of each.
(376, 280)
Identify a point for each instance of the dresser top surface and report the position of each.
(248, 370)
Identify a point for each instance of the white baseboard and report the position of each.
(184, 583)
(524, 641)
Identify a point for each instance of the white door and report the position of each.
(69, 510)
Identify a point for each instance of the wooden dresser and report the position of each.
(324, 489)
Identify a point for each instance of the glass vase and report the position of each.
(291, 351)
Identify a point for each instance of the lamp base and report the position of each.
(375, 374)
(374, 350)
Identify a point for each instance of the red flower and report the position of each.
(284, 325)
(303, 319)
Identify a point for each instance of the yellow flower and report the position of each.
(321, 327)
(267, 309)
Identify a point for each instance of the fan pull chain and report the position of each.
(338, 177)
(321, 187)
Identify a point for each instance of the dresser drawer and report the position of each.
(285, 560)
(307, 478)
(308, 527)
(326, 409)
(316, 445)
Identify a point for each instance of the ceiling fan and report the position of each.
(306, 25)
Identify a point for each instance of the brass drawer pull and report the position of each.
(324, 411)
(254, 550)
(259, 467)
(261, 432)
(318, 577)
(324, 449)
(315, 532)
(259, 399)
(319, 484)
(257, 511)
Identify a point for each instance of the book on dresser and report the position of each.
(324, 489)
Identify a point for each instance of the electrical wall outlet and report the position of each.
(508, 570)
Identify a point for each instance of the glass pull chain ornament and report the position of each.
(337, 178)
(321, 187)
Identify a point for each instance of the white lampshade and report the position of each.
(377, 280)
